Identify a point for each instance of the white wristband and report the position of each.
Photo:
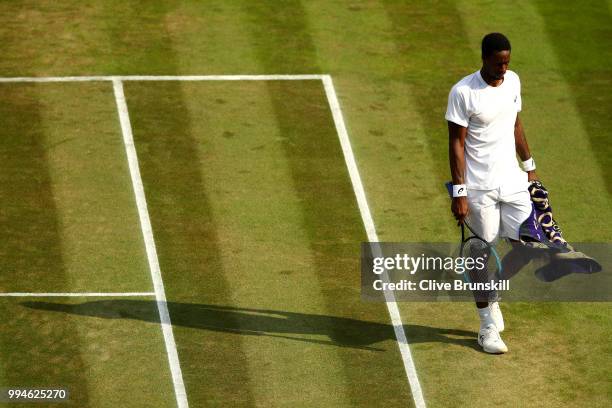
(459, 190)
(528, 165)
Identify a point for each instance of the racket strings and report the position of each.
(483, 271)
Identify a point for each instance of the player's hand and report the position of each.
(532, 176)
(459, 207)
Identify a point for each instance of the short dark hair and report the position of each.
(494, 42)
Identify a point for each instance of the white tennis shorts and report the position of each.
(498, 213)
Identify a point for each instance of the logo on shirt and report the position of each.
(515, 98)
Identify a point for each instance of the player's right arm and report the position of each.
(456, 155)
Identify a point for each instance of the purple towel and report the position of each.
(541, 226)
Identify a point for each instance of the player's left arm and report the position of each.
(522, 148)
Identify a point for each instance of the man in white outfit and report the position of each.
(489, 187)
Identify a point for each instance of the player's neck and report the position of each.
(491, 81)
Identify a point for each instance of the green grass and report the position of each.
(258, 236)
(95, 349)
(254, 216)
(68, 219)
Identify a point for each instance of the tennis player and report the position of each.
(489, 187)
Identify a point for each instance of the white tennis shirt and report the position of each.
(489, 114)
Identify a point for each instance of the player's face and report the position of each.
(496, 64)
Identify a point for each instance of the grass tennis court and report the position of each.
(255, 219)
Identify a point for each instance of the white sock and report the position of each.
(485, 317)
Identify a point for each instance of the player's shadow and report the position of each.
(336, 331)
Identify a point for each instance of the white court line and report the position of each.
(165, 78)
(396, 319)
(221, 77)
(366, 216)
(147, 232)
(76, 294)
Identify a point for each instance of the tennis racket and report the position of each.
(474, 246)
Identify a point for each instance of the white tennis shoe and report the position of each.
(496, 316)
(490, 341)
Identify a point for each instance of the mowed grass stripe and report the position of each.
(30, 223)
(187, 241)
(210, 37)
(265, 250)
(317, 167)
(290, 280)
(432, 52)
(68, 225)
(73, 36)
(137, 41)
(586, 71)
(394, 145)
(251, 212)
(96, 222)
(32, 250)
(583, 59)
(121, 347)
(102, 244)
(333, 225)
(417, 26)
(184, 231)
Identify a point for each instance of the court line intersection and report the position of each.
(159, 292)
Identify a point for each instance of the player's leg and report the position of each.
(484, 213)
(484, 218)
(515, 208)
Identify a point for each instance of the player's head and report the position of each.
(495, 54)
